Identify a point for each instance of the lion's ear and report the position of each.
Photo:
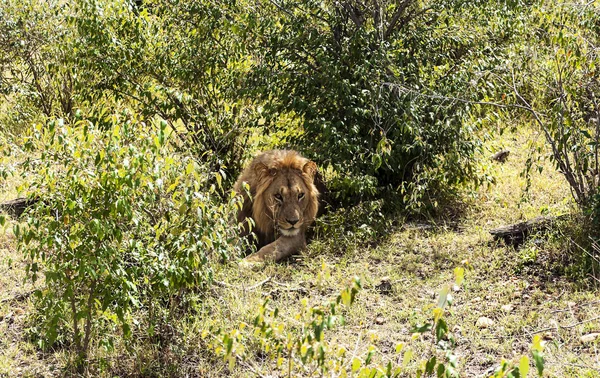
(310, 168)
(262, 170)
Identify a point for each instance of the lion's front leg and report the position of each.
(281, 248)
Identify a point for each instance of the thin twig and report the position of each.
(577, 305)
(225, 284)
(586, 251)
(436, 96)
(564, 326)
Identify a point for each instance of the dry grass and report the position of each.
(418, 261)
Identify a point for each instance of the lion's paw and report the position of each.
(251, 262)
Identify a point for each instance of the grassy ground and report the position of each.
(524, 291)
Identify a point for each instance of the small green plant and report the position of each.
(125, 227)
(299, 346)
(293, 351)
(510, 370)
(443, 362)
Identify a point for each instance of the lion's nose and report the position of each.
(292, 221)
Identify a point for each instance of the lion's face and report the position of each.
(288, 198)
(285, 200)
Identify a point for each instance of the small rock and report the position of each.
(379, 320)
(547, 336)
(507, 308)
(491, 370)
(571, 304)
(590, 337)
(477, 299)
(7, 317)
(456, 288)
(501, 155)
(484, 322)
(385, 286)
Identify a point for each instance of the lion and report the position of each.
(283, 202)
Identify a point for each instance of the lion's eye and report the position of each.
(300, 196)
(278, 197)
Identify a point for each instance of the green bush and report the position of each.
(557, 84)
(36, 73)
(184, 61)
(382, 89)
(124, 229)
(552, 79)
(370, 94)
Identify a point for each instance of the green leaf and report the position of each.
(407, 357)
(399, 347)
(377, 161)
(443, 297)
(539, 361)
(441, 329)
(441, 370)
(524, 366)
(459, 275)
(422, 328)
(514, 373)
(430, 365)
(369, 355)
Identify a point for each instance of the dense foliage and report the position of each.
(345, 83)
(556, 82)
(386, 96)
(375, 87)
(124, 225)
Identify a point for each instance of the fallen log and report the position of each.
(16, 207)
(515, 234)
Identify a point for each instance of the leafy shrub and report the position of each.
(364, 89)
(560, 91)
(126, 227)
(36, 73)
(553, 78)
(375, 86)
(183, 61)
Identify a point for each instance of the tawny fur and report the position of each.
(268, 174)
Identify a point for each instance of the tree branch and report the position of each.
(397, 14)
